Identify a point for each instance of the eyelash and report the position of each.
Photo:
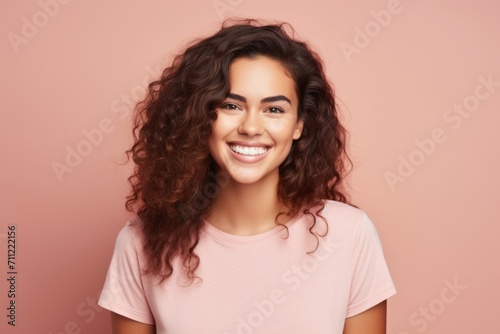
(280, 111)
(226, 105)
(232, 106)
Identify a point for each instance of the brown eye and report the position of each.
(275, 110)
(230, 106)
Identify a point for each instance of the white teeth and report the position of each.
(247, 150)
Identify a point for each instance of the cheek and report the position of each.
(216, 130)
(277, 126)
(216, 139)
(221, 127)
(282, 129)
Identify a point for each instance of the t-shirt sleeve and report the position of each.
(371, 282)
(123, 291)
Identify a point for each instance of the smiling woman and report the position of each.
(246, 115)
(256, 124)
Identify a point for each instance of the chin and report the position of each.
(241, 179)
(251, 178)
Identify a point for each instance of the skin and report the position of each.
(248, 117)
(371, 321)
(123, 325)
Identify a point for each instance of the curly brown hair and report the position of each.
(175, 177)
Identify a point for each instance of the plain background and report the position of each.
(83, 66)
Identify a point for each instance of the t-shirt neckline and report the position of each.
(233, 239)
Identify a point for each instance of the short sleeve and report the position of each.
(371, 282)
(123, 291)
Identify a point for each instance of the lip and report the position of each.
(249, 159)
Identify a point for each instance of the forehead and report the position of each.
(260, 77)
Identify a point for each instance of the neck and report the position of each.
(246, 209)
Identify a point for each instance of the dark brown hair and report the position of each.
(175, 177)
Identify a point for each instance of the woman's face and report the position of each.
(257, 122)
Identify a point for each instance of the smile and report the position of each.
(249, 150)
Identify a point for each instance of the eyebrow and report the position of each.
(264, 100)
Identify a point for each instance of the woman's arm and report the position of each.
(371, 321)
(124, 325)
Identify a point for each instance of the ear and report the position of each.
(298, 129)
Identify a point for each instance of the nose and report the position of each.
(251, 124)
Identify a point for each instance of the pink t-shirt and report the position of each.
(264, 283)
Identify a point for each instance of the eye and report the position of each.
(275, 110)
(229, 106)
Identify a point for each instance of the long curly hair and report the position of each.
(175, 178)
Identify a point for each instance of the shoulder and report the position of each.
(130, 236)
(345, 219)
(341, 211)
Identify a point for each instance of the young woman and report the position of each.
(242, 225)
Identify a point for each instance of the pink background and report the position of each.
(80, 67)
